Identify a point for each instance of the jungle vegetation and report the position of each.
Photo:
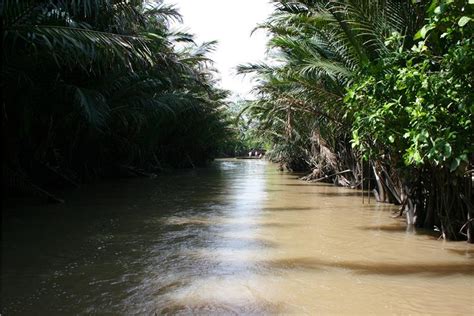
(246, 136)
(375, 94)
(102, 88)
(364, 93)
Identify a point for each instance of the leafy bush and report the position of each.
(417, 105)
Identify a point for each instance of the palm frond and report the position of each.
(68, 45)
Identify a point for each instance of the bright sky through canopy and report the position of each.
(230, 22)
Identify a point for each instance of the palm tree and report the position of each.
(95, 84)
(316, 47)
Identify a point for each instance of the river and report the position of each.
(239, 237)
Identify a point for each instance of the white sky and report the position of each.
(230, 22)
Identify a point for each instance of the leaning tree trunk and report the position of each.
(387, 189)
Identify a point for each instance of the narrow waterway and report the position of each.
(239, 237)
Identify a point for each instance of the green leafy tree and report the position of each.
(414, 107)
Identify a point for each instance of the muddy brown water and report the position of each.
(239, 237)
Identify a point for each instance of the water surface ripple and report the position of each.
(239, 237)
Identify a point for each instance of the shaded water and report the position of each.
(237, 238)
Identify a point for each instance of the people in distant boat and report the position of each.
(255, 153)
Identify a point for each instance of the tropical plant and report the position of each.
(96, 86)
(414, 108)
(377, 77)
(316, 47)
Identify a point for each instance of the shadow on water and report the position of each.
(377, 268)
(274, 190)
(402, 227)
(463, 252)
(388, 228)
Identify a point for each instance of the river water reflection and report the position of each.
(239, 237)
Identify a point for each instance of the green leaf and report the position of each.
(447, 150)
(417, 157)
(423, 31)
(454, 164)
(439, 9)
(433, 6)
(463, 21)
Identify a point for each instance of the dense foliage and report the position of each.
(92, 87)
(386, 81)
(413, 109)
(418, 104)
(316, 47)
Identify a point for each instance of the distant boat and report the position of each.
(249, 157)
